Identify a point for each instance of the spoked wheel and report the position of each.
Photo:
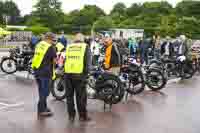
(111, 91)
(155, 80)
(8, 65)
(136, 83)
(30, 70)
(58, 89)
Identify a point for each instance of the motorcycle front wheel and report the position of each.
(58, 89)
(110, 89)
(155, 79)
(8, 65)
(136, 83)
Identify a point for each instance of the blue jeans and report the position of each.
(43, 89)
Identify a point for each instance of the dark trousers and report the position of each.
(144, 58)
(43, 89)
(95, 60)
(76, 85)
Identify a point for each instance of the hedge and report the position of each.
(37, 30)
(6, 46)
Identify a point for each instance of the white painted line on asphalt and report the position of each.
(6, 106)
(176, 80)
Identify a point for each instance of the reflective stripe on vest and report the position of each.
(74, 63)
(59, 47)
(40, 52)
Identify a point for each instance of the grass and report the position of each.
(4, 46)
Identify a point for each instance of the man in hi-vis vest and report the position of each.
(76, 70)
(42, 64)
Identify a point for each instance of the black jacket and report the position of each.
(115, 56)
(171, 49)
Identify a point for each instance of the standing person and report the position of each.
(95, 49)
(59, 46)
(133, 46)
(63, 39)
(167, 49)
(42, 64)
(76, 70)
(183, 48)
(157, 47)
(112, 56)
(34, 40)
(143, 47)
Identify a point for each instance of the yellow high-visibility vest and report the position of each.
(40, 51)
(59, 47)
(74, 63)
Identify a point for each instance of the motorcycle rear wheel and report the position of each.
(10, 60)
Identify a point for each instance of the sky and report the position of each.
(26, 6)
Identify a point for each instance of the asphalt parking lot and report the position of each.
(173, 110)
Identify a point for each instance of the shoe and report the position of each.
(71, 118)
(85, 119)
(46, 113)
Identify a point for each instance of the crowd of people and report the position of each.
(85, 52)
(145, 49)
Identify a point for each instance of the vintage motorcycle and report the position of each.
(178, 67)
(135, 77)
(18, 60)
(100, 85)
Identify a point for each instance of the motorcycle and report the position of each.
(135, 77)
(18, 60)
(100, 85)
(132, 77)
(178, 67)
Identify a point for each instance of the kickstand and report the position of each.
(110, 107)
(126, 97)
(27, 76)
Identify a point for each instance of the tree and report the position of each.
(49, 13)
(188, 8)
(163, 8)
(119, 8)
(118, 13)
(188, 26)
(1, 12)
(134, 10)
(85, 18)
(11, 9)
(103, 23)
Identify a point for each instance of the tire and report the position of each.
(151, 78)
(58, 86)
(189, 71)
(156, 64)
(109, 92)
(136, 78)
(3, 62)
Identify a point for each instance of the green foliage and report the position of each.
(37, 30)
(188, 8)
(153, 17)
(103, 23)
(9, 8)
(48, 13)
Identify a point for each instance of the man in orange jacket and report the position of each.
(112, 56)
